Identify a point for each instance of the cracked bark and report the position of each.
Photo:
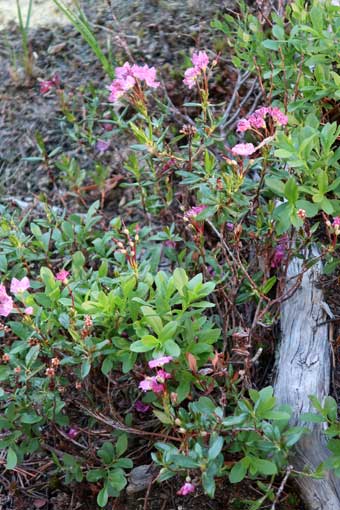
(303, 369)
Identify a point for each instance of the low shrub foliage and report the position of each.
(151, 323)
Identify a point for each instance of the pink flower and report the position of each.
(200, 60)
(243, 125)
(123, 72)
(279, 117)
(151, 383)
(62, 276)
(190, 76)
(141, 407)
(56, 80)
(194, 211)
(336, 221)
(6, 302)
(279, 252)
(126, 77)
(262, 112)
(29, 310)
(162, 376)
(102, 146)
(243, 149)
(170, 244)
(117, 90)
(278, 256)
(160, 362)
(256, 121)
(73, 433)
(186, 489)
(146, 73)
(45, 86)
(18, 286)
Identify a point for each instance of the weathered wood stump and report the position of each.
(303, 369)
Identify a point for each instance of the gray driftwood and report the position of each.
(303, 368)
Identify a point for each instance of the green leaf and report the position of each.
(85, 368)
(172, 348)
(147, 343)
(117, 479)
(208, 483)
(265, 467)
(276, 415)
(269, 284)
(216, 445)
(275, 185)
(323, 182)
(152, 319)
(11, 459)
(163, 418)
(183, 461)
(326, 206)
(30, 418)
(168, 331)
(102, 497)
(180, 279)
(291, 191)
(95, 474)
(310, 208)
(234, 420)
(32, 355)
(121, 444)
(238, 472)
(271, 45)
(311, 418)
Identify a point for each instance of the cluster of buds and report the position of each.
(5, 358)
(50, 371)
(188, 130)
(4, 328)
(129, 248)
(301, 214)
(169, 165)
(191, 217)
(88, 323)
(333, 229)
(33, 341)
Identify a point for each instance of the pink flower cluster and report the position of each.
(127, 77)
(62, 276)
(279, 252)
(194, 211)
(47, 85)
(16, 287)
(200, 62)
(336, 221)
(243, 149)
(257, 119)
(6, 302)
(156, 383)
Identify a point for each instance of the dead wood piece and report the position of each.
(303, 369)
